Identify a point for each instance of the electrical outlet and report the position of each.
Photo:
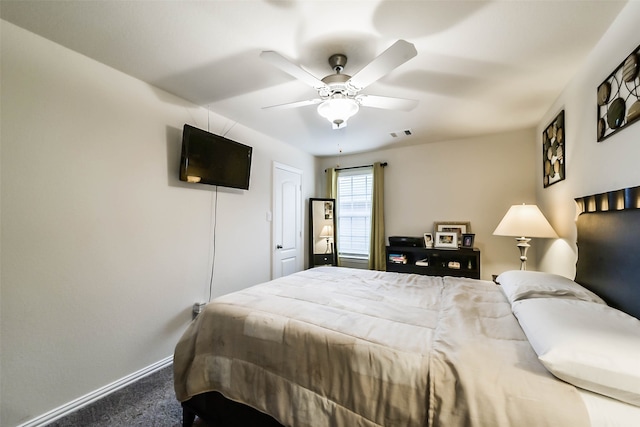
(197, 308)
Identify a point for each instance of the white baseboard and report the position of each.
(85, 400)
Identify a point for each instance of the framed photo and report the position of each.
(467, 240)
(428, 240)
(328, 210)
(446, 239)
(459, 227)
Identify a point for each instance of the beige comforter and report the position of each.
(340, 347)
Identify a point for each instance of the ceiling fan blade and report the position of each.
(386, 102)
(396, 55)
(290, 68)
(294, 104)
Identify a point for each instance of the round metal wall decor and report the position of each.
(618, 97)
(553, 150)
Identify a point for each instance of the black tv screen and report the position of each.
(211, 159)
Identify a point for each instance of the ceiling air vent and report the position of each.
(397, 134)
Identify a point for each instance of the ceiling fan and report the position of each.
(339, 94)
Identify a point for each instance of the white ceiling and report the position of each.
(481, 68)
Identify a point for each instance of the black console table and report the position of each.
(439, 262)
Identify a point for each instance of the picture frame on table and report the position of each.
(428, 240)
(459, 227)
(446, 239)
(467, 240)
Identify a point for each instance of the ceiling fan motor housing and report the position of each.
(337, 83)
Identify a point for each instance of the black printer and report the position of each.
(416, 242)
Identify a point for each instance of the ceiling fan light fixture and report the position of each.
(338, 109)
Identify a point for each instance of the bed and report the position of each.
(334, 346)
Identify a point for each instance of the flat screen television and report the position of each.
(212, 159)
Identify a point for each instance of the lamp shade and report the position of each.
(525, 220)
(326, 232)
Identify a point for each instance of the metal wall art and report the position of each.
(619, 97)
(553, 151)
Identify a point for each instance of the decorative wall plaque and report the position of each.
(553, 151)
(619, 97)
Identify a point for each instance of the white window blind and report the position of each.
(354, 211)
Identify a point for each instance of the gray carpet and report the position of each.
(149, 402)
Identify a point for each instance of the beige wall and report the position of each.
(591, 167)
(104, 251)
(475, 179)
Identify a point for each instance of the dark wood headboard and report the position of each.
(609, 247)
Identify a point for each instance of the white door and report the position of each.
(288, 256)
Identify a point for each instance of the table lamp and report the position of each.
(327, 233)
(524, 220)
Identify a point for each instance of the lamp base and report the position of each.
(523, 245)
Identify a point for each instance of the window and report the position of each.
(353, 204)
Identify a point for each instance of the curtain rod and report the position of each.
(358, 167)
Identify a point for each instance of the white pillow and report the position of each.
(592, 346)
(518, 285)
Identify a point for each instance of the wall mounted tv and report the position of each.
(211, 159)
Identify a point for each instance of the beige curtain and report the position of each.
(377, 245)
(331, 184)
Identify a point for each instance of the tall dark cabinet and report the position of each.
(322, 232)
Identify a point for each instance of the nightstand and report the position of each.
(323, 259)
